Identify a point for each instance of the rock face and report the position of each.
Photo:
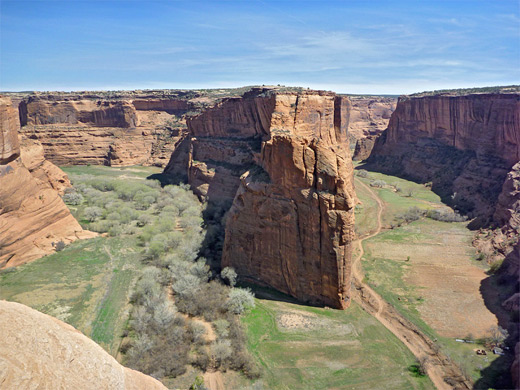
(364, 147)
(369, 115)
(465, 145)
(39, 351)
(32, 214)
(119, 130)
(283, 158)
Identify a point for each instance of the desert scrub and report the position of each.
(176, 283)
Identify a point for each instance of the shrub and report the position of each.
(445, 216)
(92, 213)
(73, 198)
(410, 215)
(240, 300)
(221, 328)
(377, 183)
(59, 246)
(362, 173)
(229, 275)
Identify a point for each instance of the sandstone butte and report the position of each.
(32, 214)
(38, 351)
(282, 158)
(468, 147)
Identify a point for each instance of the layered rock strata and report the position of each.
(33, 218)
(38, 351)
(369, 115)
(283, 159)
(465, 145)
(101, 129)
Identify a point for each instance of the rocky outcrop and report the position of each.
(363, 148)
(369, 115)
(32, 215)
(39, 351)
(282, 157)
(507, 213)
(465, 145)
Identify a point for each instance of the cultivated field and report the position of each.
(426, 269)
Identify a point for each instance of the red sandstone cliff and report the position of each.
(100, 128)
(32, 214)
(369, 115)
(282, 156)
(38, 351)
(465, 145)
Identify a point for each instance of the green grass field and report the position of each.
(86, 285)
(301, 347)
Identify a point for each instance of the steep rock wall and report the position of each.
(38, 351)
(32, 214)
(121, 130)
(369, 115)
(282, 157)
(364, 148)
(465, 145)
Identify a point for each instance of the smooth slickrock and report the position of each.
(282, 157)
(38, 351)
(33, 216)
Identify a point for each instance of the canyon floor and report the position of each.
(426, 270)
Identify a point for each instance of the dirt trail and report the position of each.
(213, 380)
(444, 373)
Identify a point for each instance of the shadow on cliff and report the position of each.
(442, 185)
(270, 294)
(495, 289)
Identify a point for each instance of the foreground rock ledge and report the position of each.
(38, 351)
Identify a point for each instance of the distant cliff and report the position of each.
(282, 157)
(33, 218)
(465, 145)
(369, 115)
(118, 129)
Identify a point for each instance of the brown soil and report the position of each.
(442, 371)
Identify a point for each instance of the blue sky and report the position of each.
(350, 46)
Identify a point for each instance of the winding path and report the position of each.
(443, 372)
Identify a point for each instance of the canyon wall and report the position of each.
(282, 158)
(38, 351)
(468, 147)
(369, 115)
(33, 218)
(130, 128)
(465, 145)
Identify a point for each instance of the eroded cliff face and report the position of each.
(39, 351)
(32, 214)
(120, 130)
(465, 145)
(283, 159)
(369, 115)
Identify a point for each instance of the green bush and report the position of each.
(240, 300)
